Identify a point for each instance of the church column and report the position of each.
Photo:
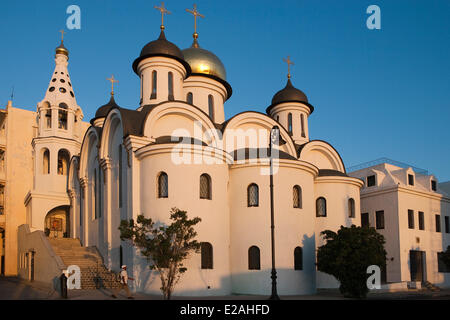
(72, 213)
(107, 174)
(84, 189)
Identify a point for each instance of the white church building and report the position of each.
(176, 149)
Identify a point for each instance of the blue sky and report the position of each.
(376, 93)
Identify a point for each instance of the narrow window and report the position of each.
(211, 106)
(63, 162)
(120, 176)
(205, 186)
(438, 223)
(290, 123)
(421, 221)
(163, 185)
(278, 118)
(253, 195)
(254, 258)
(190, 98)
(447, 225)
(207, 255)
(380, 219)
(321, 207)
(297, 197)
(100, 191)
(410, 179)
(410, 219)
(62, 116)
(302, 119)
(298, 258)
(171, 98)
(48, 116)
(365, 220)
(121, 255)
(154, 78)
(433, 185)
(81, 205)
(351, 208)
(442, 267)
(46, 162)
(370, 181)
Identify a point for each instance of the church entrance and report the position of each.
(57, 223)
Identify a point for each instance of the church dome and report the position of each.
(289, 94)
(160, 47)
(62, 50)
(203, 61)
(103, 110)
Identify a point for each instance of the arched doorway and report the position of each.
(57, 222)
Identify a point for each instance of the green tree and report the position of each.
(164, 246)
(347, 254)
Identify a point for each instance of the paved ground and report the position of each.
(14, 289)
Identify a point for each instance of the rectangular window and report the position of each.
(433, 185)
(370, 181)
(380, 219)
(438, 223)
(421, 221)
(442, 267)
(447, 226)
(365, 220)
(410, 219)
(410, 179)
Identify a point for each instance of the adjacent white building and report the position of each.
(407, 206)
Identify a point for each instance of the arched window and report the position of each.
(298, 258)
(100, 191)
(46, 162)
(190, 98)
(297, 197)
(120, 176)
(63, 162)
(321, 207)
(62, 116)
(211, 106)
(302, 120)
(48, 116)
(205, 186)
(163, 185)
(290, 123)
(142, 86)
(254, 258)
(170, 77)
(154, 78)
(253, 195)
(207, 255)
(351, 208)
(95, 194)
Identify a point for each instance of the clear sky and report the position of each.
(376, 93)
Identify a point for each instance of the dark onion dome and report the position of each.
(205, 63)
(162, 48)
(103, 110)
(62, 50)
(289, 94)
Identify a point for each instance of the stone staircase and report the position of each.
(94, 274)
(431, 287)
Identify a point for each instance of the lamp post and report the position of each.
(274, 138)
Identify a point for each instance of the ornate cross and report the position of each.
(289, 62)
(112, 80)
(62, 34)
(196, 14)
(163, 11)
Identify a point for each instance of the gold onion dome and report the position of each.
(203, 61)
(62, 50)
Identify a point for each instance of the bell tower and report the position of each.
(58, 139)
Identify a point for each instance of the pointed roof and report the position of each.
(289, 94)
(103, 110)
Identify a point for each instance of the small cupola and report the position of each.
(103, 111)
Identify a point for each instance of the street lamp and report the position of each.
(274, 139)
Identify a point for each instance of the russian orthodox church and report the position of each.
(176, 149)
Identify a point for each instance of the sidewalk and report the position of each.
(12, 288)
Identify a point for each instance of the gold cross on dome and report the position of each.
(196, 14)
(289, 62)
(163, 11)
(112, 80)
(62, 34)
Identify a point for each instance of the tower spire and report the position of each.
(163, 11)
(196, 14)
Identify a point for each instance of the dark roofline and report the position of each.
(331, 173)
(224, 82)
(310, 106)
(182, 61)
